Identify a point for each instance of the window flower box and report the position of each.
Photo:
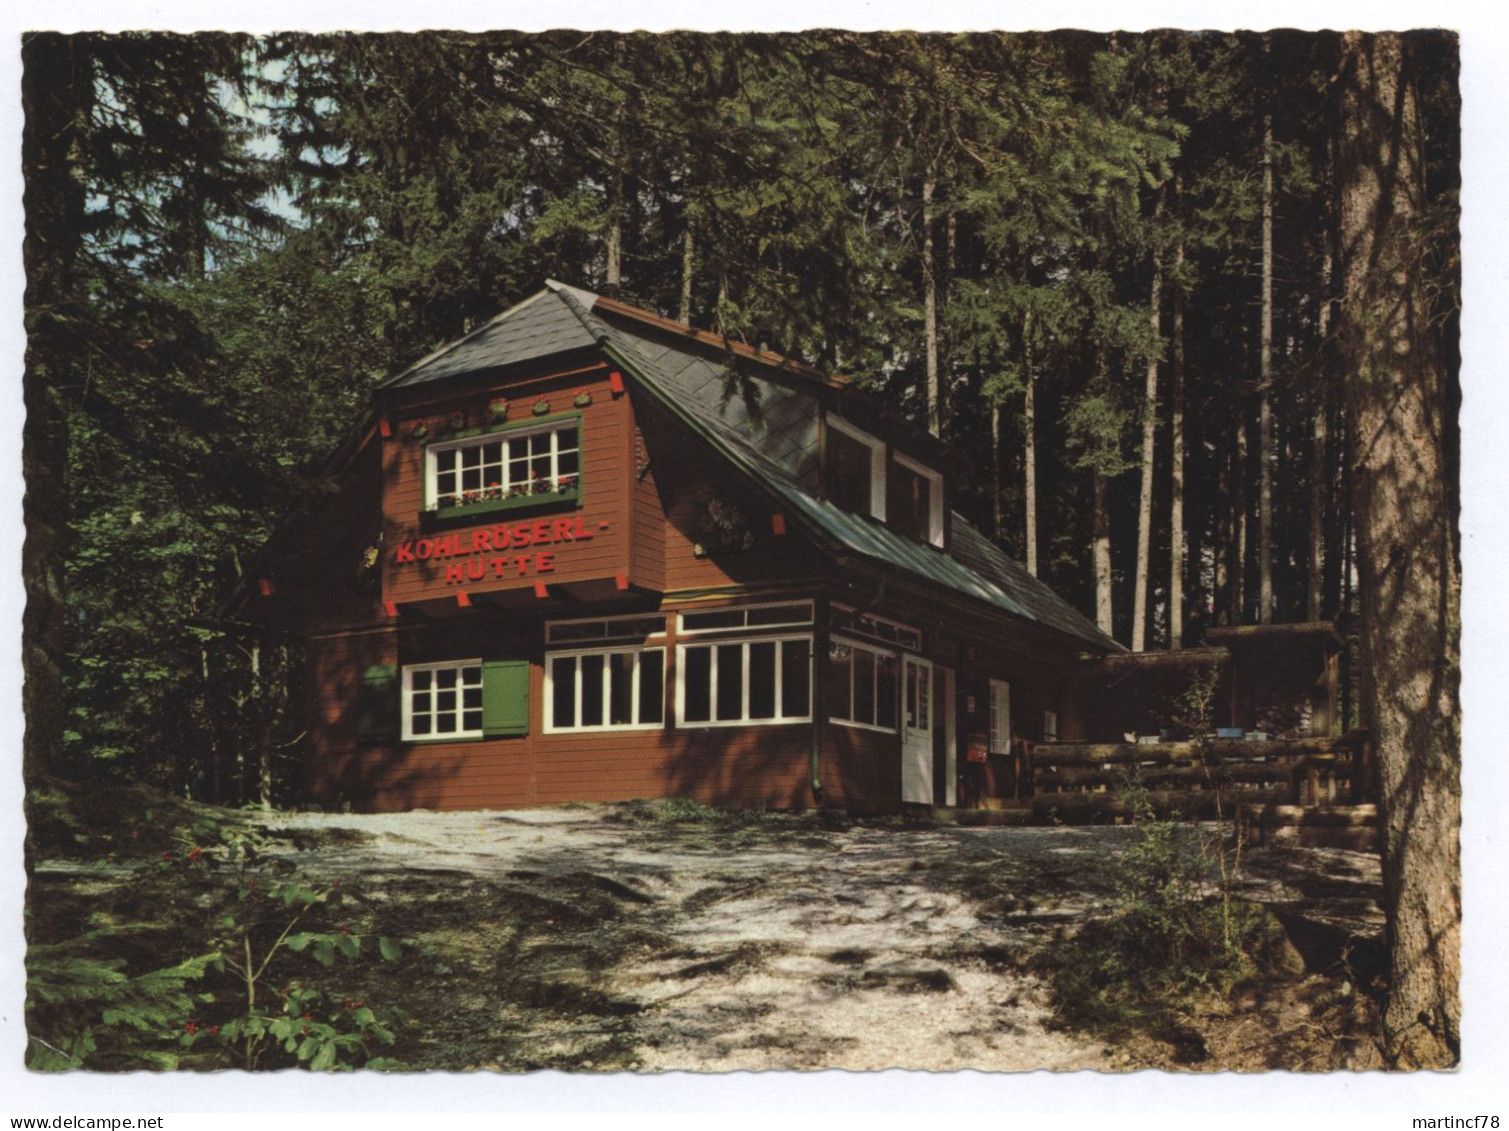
(470, 506)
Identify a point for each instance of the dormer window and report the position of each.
(917, 501)
(854, 469)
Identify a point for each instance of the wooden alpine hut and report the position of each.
(586, 553)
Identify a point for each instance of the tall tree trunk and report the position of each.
(1176, 465)
(688, 260)
(1409, 584)
(997, 500)
(1237, 579)
(1145, 499)
(57, 96)
(1029, 446)
(1101, 553)
(1319, 465)
(1266, 454)
(930, 309)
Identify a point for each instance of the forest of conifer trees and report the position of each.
(1119, 272)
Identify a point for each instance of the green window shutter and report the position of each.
(505, 698)
(377, 704)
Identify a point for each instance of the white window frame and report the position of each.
(1004, 688)
(550, 726)
(607, 623)
(867, 646)
(877, 462)
(682, 630)
(934, 496)
(852, 628)
(407, 706)
(504, 436)
(712, 692)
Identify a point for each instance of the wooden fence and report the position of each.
(1202, 779)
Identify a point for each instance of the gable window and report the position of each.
(727, 683)
(854, 470)
(443, 700)
(863, 683)
(917, 501)
(532, 460)
(1000, 717)
(605, 689)
(1050, 726)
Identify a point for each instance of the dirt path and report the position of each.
(628, 937)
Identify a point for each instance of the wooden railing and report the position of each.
(1200, 779)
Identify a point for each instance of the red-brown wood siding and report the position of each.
(604, 513)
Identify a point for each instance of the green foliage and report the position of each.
(250, 922)
(86, 1012)
(1174, 941)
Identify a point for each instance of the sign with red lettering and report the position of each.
(474, 545)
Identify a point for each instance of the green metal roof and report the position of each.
(784, 458)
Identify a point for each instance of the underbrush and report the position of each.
(1175, 942)
(171, 937)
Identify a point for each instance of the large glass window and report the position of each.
(618, 689)
(765, 680)
(504, 465)
(442, 700)
(863, 683)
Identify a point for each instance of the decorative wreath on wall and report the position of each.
(720, 526)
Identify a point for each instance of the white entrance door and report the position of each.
(917, 731)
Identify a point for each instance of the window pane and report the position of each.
(696, 683)
(566, 439)
(445, 722)
(421, 680)
(847, 476)
(471, 720)
(445, 677)
(445, 461)
(651, 687)
(421, 724)
(421, 702)
(592, 690)
(796, 678)
(573, 633)
(730, 681)
(471, 479)
(840, 675)
(567, 463)
(445, 700)
(780, 614)
(471, 698)
(762, 680)
(621, 688)
(912, 497)
(719, 618)
(563, 691)
(864, 686)
(885, 691)
(492, 453)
